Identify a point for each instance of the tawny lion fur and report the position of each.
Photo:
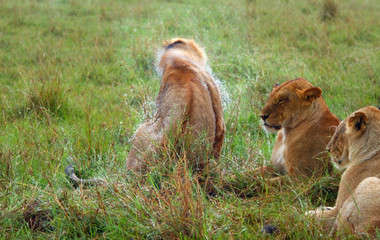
(188, 103)
(356, 146)
(189, 110)
(297, 111)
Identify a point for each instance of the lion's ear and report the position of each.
(357, 123)
(312, 94)
(174, 42)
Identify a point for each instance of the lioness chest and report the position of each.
(288, 151)
(279, 152)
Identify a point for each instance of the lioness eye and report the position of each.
(282, 100)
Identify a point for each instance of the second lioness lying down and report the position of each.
(356, 146)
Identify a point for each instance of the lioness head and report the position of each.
(357, 137)
(179, 46)
(338, 146)
(288, 104)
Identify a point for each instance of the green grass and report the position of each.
(77, 78)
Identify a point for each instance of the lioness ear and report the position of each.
(173, 44)
(357, 123)
(312, 94)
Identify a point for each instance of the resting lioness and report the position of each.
(189, 110)
(297, 111)
(356, 146)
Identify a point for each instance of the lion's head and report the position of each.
(179, 46)
(338, 147)
(288, 104)
(357, 138)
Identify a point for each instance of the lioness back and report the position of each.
(189, 108)
(189, 117)
(184, 96)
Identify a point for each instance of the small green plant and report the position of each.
(329, 10)
(47, 97)
(6, 170)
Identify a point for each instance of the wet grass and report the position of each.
(78, 77)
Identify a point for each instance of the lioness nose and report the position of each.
(263, 117)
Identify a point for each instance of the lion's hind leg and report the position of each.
(327, 216)
(147, 140)
(362, 210)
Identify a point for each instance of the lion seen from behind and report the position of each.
(189, 105)
(189, 117)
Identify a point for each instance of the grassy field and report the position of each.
(77, 78)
